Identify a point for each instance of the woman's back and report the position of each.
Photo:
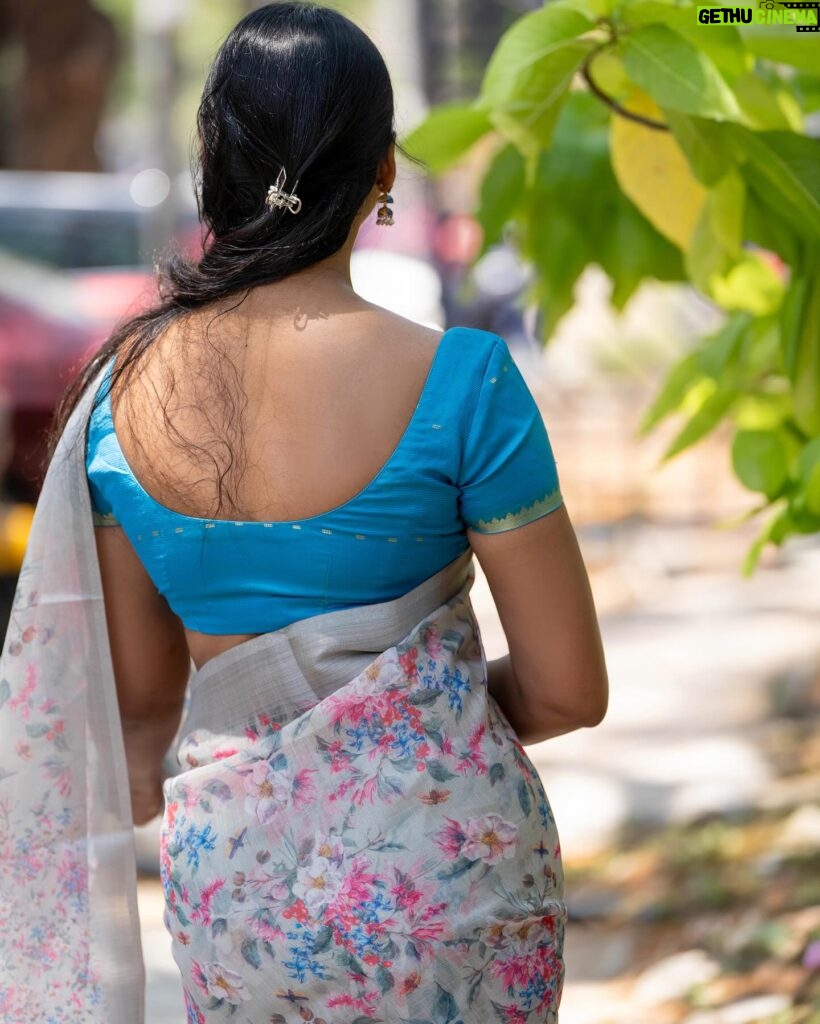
(355, 452)
(294, 417)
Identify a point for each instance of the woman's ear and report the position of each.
(387, 169)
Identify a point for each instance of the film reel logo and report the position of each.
(799, 5)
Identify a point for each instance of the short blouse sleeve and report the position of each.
(508, 474)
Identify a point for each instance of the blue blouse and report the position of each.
(475, 454)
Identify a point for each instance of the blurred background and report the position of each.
(690, 819)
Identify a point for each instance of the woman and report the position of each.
(287, 486)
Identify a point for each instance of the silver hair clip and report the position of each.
(277, 198)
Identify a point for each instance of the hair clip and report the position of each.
(277, 198)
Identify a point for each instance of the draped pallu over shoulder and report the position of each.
(354, 831)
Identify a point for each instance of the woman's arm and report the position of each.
(554, 679)
(151, 666)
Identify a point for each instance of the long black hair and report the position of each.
(295, 86)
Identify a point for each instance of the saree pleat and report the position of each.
(354, 834)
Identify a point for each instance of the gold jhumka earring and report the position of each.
(384, 213)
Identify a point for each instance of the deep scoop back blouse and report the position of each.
(475, 454)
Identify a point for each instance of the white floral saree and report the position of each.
(355, 832)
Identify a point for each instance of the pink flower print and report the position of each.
(220, 983)
(405, 895)
(450, 839)
(431, 641)
(194, 1014)
(409, 662)
(268, 791)
(317, 883)
(489, 838)
(304, 788)
(355, 889)
(202, 912)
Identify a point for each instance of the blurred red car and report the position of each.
(75, 259)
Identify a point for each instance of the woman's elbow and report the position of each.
(582, 705)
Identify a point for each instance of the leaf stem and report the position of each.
(608, 100)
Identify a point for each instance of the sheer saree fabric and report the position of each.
(355, 832)
(69, 934)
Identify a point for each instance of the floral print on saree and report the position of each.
(386, 854)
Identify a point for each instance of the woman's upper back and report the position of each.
(360, 460)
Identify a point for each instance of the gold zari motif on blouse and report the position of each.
(103, 518)
(539, 507)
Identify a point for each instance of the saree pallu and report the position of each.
(355, 832)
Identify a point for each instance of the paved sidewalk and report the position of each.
(691, 657)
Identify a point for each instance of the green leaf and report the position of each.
(800, 50)
(721, 43)
(323, 939)
(679, 382)
(447, 133)
(439, 772)
(759, 459)
(720, 349)
(676, 74)
(384, 979)
(250, 953)
(726, 207)
(807, 89)
(751, 284)
(764, 226)
(524, 798)
(655, 174)
(702, 142)
(706, 259)
(501, 192)
(792, 318)
(526, 49)
(712, 410)
(788, 167)
(806, 363)
(444, 1007)
(808, 469)
(529, 115)
(764, 106)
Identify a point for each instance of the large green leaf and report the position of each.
(530, 72)
(526, 49)
(529, 114)
(787, 165)
(447, 133)
(653, 171)
(721, 43)
(676, 74)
